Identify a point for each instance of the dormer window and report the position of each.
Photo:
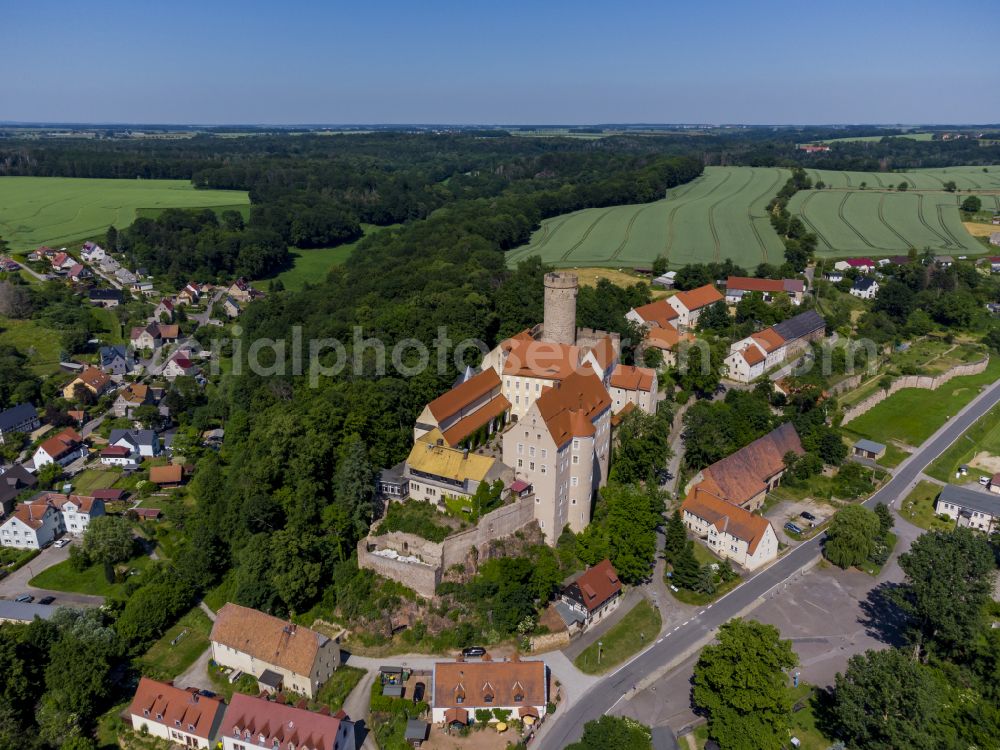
(159, 717)
(177, 723)
(190, 727)
(145, 712)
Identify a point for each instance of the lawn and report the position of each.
(42, 345)
(893, 456)
(631, 634)
(165, 660)
(871, 568)
(217, 597)
(62, 577)
(335, 690)
(111, 327)
(89, 480)
(698, 599)
(918, 508)
(913, 414)
(58, 210)
(982, 437)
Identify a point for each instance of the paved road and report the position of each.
(684, 639)
(17, 582)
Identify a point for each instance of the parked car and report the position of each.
(793, 528)
(984, 481)
(473, 651)
(46, 600)
(807, 515)
(61, 543)
(418, 692)
(25, 599)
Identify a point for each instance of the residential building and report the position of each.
(32, 525)
(130, 398)
(835, 277)
(994, 264)
(473, 409)
(745, 365)
(995, 238)
(280, 654)
(392, 484)
(745, 477)
(105, 297)
(92, 252)
(739, 286)
(862, 265)
(171, 475)
(231, 307)
(164, 310)
(142, 287)
(154, 335)
(944, 261)
(22, 419)
(190, 294)
(79, 272)
(461, 687)
(62, 261)
(751, 357)
(63, 449)
(77, 510)
(690, 304)
(435, 471)
(118, 455)
(657, 314)
(667, 339)
(184, 717)
(865, 288)
(179, 365)
(969, 507)
(145, 443)
(729, 530)
(251, 723)
(561, 447)
(594, 594)
(92, 379)
(115, 360)
(241, 291)
(13, 481)
(125, 277)
(633, 385)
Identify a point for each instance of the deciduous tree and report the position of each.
(851, 536)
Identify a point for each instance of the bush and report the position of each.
(483, 715)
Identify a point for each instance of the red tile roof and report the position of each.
(604, 352)
(632, 378)
(172, 474)
(267, 638)
(596, 585)
(94, 379)
(695, 299)
(468, 425)
(753, 355)
(726, 517)
(84, 502)
(769, 339)
(115, 451)
(541, 359)
(58, 446)
(504, 680)
(33, 514)
(666, 337)
(570, 408)
(658, 313)
(769, 286)
(742, 475)
(464, 395)
(281, 725)
(162, 703)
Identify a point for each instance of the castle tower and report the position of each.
(560, 308)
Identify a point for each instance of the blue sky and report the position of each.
(425, 61)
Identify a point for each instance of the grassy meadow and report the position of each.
(631, 634)
(722, 214)
(59, 210)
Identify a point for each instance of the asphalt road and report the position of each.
(566, 727)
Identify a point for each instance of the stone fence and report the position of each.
(914, 381)
(419, 563)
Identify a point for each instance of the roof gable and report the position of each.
(743, 474)
(727, 518)
(268, 638)
(504, 679)
(695, 299)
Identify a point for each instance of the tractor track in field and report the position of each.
(806, 220)
(711, 217)
(849, 225)
(750, 217)
(847, 177)
(548, 232)
(881, 217)
(923, 220)
(940, 213)
(670, 217)
(628, 231)
(586, 233)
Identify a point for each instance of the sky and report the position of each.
(511, 62)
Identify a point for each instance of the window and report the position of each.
(544, 468)
(576, 459)
(531, 465)
(574, 481)
(520, 449)
(576, 444)
(531, 451)
(545, 453)
(520, 463)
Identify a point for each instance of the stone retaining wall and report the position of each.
(914, 381)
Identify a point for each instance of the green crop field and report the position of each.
(58, 210)
(874, 138)
(723, 214)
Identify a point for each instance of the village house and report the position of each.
(657, 314)
(241, 291)
(969, 507)
(835, 277)
(92, 252)
(730, 531)
(130, 398)
(994, 264)
(125, 277)
(745, 477)
(861, 265)
(468, 413)
(561, 447)
(62, 261)
(118, 455)
(594, 594)
(751, 357)
(435, 471)
(995, 238)
(739, 286)
(633, 385)
(190, 294)
(79, 272)
(142, 288)
(13, 481)
(42, 253)
(231, 307)
(144, 443)
(279, 654)
(154, 335)
(77, 510)
(32, 525)
(460, 688)
(164, 311)
(179, 365)
(690, 304)
(9, 265)
(115, 360)
(667, 340)
(865, 288)
(62, 449)
(105, 297)
(22, 419)
(183, 717)
(92, 379)
(254, 722)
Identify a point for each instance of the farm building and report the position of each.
(738, 286)
(868, 449)
(995, 238)
(865, 288)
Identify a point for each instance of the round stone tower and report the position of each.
(560, 308)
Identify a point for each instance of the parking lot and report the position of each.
(791, 512)
(17, 582)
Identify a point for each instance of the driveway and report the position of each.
(785, 511)
(17, 582)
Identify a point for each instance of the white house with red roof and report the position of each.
(62, 449)
(633, 385)
(251, 722)
(730, 531)
(62, 260)
(594, 594)
(690, 304)
(185, 717)
(77, 510)
(179, 365)
(32, 525)
(864, 265)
